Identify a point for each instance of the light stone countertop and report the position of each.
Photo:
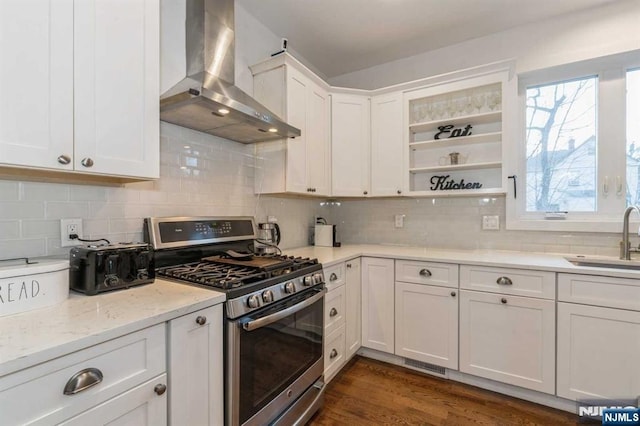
(29, 338)
(329, 256)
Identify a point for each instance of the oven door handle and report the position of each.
(269, 319)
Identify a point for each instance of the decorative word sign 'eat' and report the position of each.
(456, 133)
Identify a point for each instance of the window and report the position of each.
(580, 146)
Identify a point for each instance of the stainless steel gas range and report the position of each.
(274, 311)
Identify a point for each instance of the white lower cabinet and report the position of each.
(334, 355)
(508, 338)
(353, 297)
(378, 304)
(426, 323)
(196, 368)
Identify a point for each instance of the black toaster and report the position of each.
(96, 269)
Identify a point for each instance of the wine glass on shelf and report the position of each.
(468, 104)
(438, 109)
(494, 101)
(478, 100)
(460, 105)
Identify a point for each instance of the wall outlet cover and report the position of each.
(399, 220)
(491, 223)
(67, 227)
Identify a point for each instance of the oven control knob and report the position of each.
(318, 278)
(290, 287)
(253, 301)
(308, 280)
(267, 296)
(111, 280)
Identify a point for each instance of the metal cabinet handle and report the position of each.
(333, 277)
(83, 380)
(87, 162)
(333, 354)
(160, 388)
(201, 320)
(333, 312)
(503, 300)
(399, 192)
(504, 281)
(453, 294)
(348, 265)
(425, 273)
(365, 192)
(64, 159)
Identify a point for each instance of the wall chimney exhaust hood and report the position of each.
(207, 99)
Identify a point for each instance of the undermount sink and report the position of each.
(604, 262)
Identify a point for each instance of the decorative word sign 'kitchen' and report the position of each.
(443, 183)
(455, 133)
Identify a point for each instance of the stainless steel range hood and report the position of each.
(207, 99)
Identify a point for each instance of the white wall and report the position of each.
(595, 32)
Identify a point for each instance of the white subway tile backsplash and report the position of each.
(9, 191)
(32, 191)
(40, 228)
(21, 210)
(62, 210)
(9, 229)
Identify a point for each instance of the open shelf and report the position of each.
(457, 167)
(460, 193)
(463, 140)
(474, 119)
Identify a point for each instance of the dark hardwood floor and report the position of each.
(370, 392)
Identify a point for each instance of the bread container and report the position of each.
(27, 286)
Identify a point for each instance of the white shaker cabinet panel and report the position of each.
(598, 352)
(353, 295)
(319, 145)
(350, 145)
(297, 113)
(427, 323)
(36, 83)
(508, 338)
(387, 171)
(378, 304)
(196, 368)
(116, 94)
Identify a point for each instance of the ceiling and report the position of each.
(341, 36)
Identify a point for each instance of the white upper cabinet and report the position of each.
(300, 165)
(387, 170)
(36, 83)
(350, 144)
(81, 89)
(116, 94)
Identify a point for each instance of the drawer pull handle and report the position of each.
(504, 300)
(504, 281)
(453, 294)
(83, 380)
(425, 273)
(333, 354)
(348, 265)
(160, 388)
(201, 320)
(333, 277)
(333, 312)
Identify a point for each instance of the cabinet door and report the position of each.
(598, 352)
(427, 324)
(510, 339)
(334, 309)
(195, 368)
(350, 140)
(377, 304)
(141, 406)
(318, 142)
(296, 162)
(387, 169)
(353, 289)
(116, 94)
(36, 83)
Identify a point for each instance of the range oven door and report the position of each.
(273, 357)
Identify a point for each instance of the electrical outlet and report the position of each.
(68, 227)
(399, 220)
(490, 223)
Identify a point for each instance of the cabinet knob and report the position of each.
(87, 162)
(83, 380)
(333, 277)
(425, 273)
(64, 159)
(504, 281)
(160, 388)
(399, 192)
(333, 312)
(348, 265)
(453, 294)
(313, 190)
(333, 354)
(365, 192)
(201, 320)
(503, 300)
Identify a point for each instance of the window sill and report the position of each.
(568, 225)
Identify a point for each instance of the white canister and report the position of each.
(24, 287)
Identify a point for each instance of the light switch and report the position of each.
(490, 223)
(399, 219)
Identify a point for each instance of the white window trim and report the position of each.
(515, 157)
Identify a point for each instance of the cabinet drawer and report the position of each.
(334, 305)
(334, 276)
(443, 274)
(124, 362)
(611, 292)
(520, 282)
(334, 353)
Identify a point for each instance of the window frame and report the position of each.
(611, 125)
